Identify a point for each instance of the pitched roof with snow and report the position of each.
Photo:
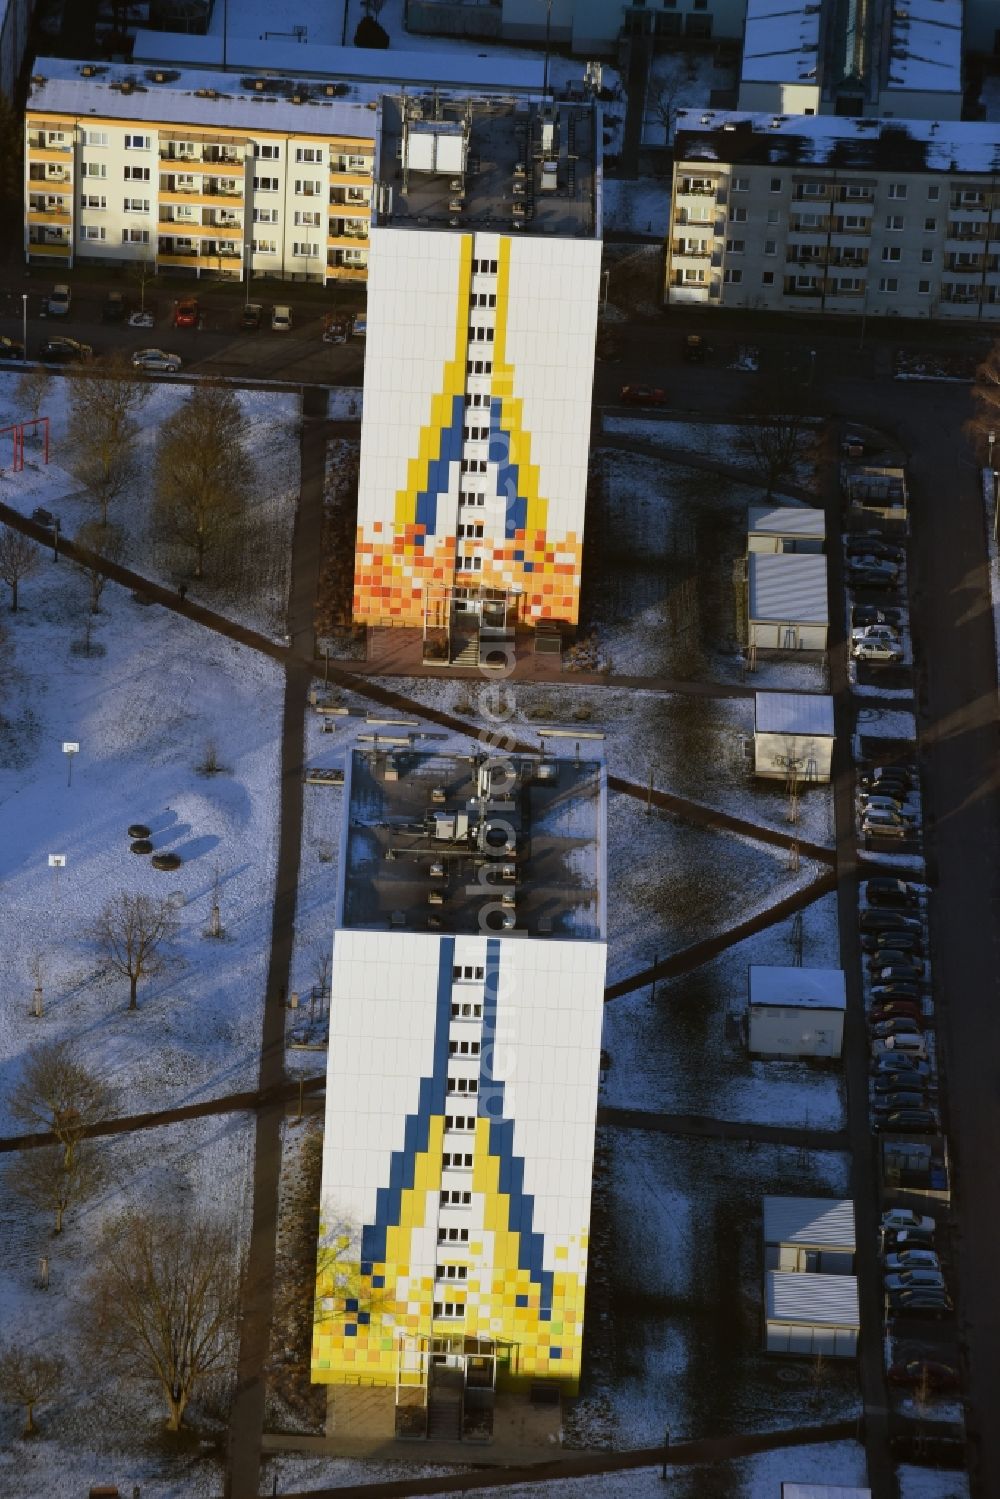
(809, 1220)
(788, 586)
(793, 713)
(816, 1300)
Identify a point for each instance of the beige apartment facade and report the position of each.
(818, 214)
(195, 174)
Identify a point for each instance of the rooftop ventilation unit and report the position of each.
(206, 93)
(158, 75)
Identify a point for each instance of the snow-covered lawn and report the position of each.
(925, 1483)
(143, 715)
(680, 81)
(255, 587)
(641, 206)
(674, 1055)
(676, 1251)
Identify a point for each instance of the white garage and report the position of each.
(786, 601)
(796, 1012)
(785, 528)
(793, 730)
(811, 1314)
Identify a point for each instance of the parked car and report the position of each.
(920, 1303)
(643, 395)
(889, 957)
(909, 1238)
(360, 328)
(898, 1025)
(875, 774)
(889, 921)
(913, 1259)
(336, 327)
(251, 315)
(880, 824)
(885, 1083)
(924, 1373)
(892, 1103)
(156, 361)
(875, 575)
(876, 614)
(64, 351)
(909, 1122)
(901, 970)
(115, 308)
(875, 648)
(60, 298)
(918, 1278)
(281, 318)
(897, 1220)
(904, 1066)
(693, 348)
(876, 632)
(915, 1046)
(897, 941)
(10, 348)
(896, 1007)
(186, 313)
(870, 546)
(889, 892)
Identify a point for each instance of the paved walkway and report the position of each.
(735, 473)
(705, 1128)
(246, 1423)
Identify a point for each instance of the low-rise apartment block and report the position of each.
(197, 173)
(823, 214)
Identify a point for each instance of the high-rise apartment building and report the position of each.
(465, 1030)
(482, 309)
(199, 173)
(824, 214)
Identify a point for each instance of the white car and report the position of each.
(899, 1218)
(915, 1280)
(875, 648)
(281, 318)
(59, 299)
(875, 632)
(156, 360)
(873, 803)
(913, 1259)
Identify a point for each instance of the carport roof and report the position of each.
(793, 713)
(788, 587)
(812, 1300)
(809, 1220)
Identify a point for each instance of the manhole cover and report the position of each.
(790, 1376)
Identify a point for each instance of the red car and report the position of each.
(643, 395)
(919, 1371)
(186, 313)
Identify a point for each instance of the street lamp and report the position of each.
(991, 438)
(24, 322)
(605, 277)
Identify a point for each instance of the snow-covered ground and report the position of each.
(676, 81)
(721, 441)
(925, 1483)
(143, 714)
(254, 592)
(674, 1054)
(638, 207)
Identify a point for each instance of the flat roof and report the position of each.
(812, 988)
(845, 145)
(424, 850)
(194, 98)
(787, 520)
(509, 148)
(822, 1491)
(788, 586)
(385, 69)
(793, 713)
(781, 41)
(925, 46)
(809, 1220)
(820, 1300)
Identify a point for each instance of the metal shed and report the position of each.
(793, 731)
(787, 601)
(796, 1012)
(814, 1235)
(785, 528)
(810, 1314)
(877, 491)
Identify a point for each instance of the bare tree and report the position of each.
(105, 542)
(161, 1303)
(32, 388)
(102, 427)
(338, 1275)
(985, 401)
(28, 1378)
(773, 440)
(45, 1180)
(131, 932)
(20, 558)
(661, 103)
(58, 1094)
(142, 271)
(203, 470)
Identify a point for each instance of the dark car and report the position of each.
(887, 892)
(889, 921)
(891, 1008)
(251, 315)
(897, 972)
(895, 1082)
(64, 351)
(909, 1238)
(643, 395)
(896, 1025)
(876, 614)
(115, 309)
(871, 778)
(186, 313)
(872, 576)
(924, 1372)
(898, 989)
(693, 348)
(10, 348)
(896, 957)
(909, 1122)
(889, 1103)
(908, 942)
(867, 546)
(919, 1304)
(887, 783)
(907, 1067)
